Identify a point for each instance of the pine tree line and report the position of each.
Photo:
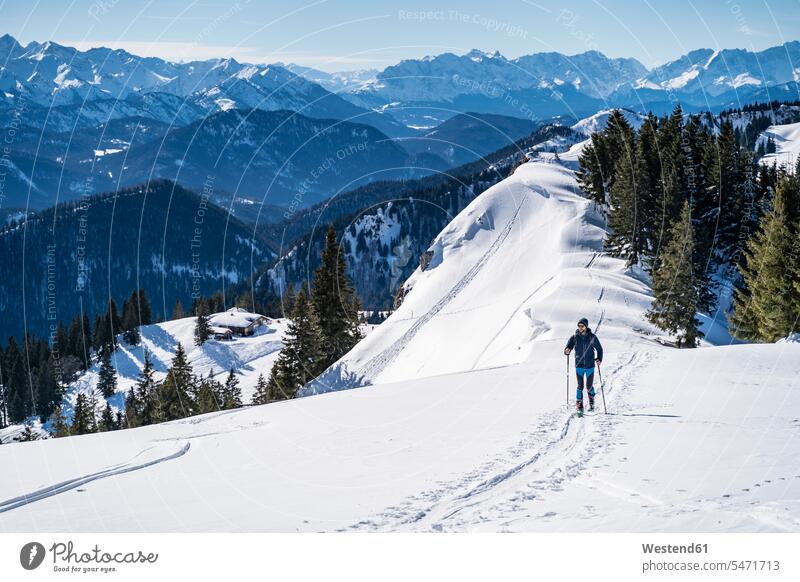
(34, 375)
(35, 371)
(682, 202)
(30, 379)
(767, 299)
(180, 394)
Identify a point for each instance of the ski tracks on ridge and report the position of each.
(379, 363)
(550, 454)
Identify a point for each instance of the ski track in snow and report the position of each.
(379, 363)
(120, 469)
(588, 268)
(510, 318)
(554, 451)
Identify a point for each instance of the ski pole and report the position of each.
(567, 380)
(602, 392)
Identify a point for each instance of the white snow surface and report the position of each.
(461, 421)
(517, 268)
(787, 144)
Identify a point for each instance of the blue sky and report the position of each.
(338, 34)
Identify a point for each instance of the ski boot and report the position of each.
(579, 408)
(591, 403)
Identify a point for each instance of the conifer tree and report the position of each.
(723, 167)
(177, 311)
(282, 383)
(645, 236)
(80, 340)
(334, 304)
(18, 398)
(75, 339)
(106, 327)
(625, 239)
(59, 423)
(144, 311)
(770, 148)
(287, 301)
(673, 171)
(704, 211)
(674, 306)
(61, 343)
(3, 398)
(83, 421)
(209, 394)
(304, 339)
(216, 303)
(130, 320)
(133, 409)
(261, 395)
(174, 394)
(48, 391)
(140, 402)
(595, 168)
(93, 403)
(597, 174)
(107, 376)
(107, 421)
(232, 392)
(202, 326)
(766, 307)
(794, 274)
(113, 322)
(100, 336)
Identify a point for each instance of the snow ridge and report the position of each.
(379, 362)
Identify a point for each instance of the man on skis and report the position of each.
(588, 351)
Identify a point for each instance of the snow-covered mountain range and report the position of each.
(65, 105)
(49, 75)
(435, 87)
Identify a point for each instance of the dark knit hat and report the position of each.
(583, 321)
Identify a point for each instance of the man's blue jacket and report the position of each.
(585, 345)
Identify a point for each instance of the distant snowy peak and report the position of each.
(591, 72)
(599, 120)
(479, 56)
(51, 75)
(715, 72)
(45, 70)
(447, 74)
(338, 82)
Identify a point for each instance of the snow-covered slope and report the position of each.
(490, 293)
(696, 440)
(465, 426)
(787, 144)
